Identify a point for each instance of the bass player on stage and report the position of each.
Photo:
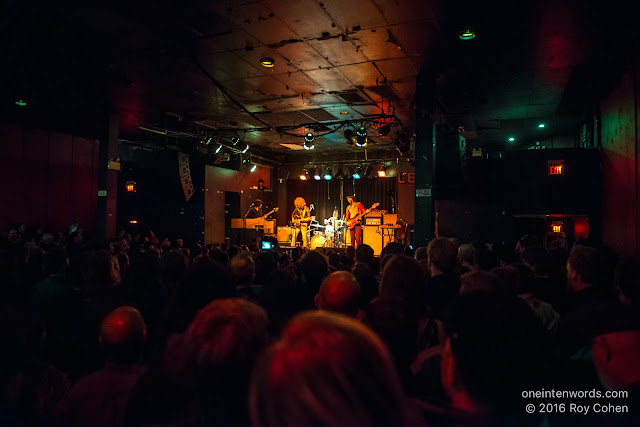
(354, 210)
(301, 218)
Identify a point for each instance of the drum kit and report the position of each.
(331, 234)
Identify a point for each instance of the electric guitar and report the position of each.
(352, 222)
(272, 211)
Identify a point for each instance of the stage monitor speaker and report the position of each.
(371, 235)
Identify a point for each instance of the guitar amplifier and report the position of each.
(373, 220)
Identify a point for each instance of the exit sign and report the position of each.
(555, 167)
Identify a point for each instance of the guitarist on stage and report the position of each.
(355, 227)
(256, 209)
(301, 218)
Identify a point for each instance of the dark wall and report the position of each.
(620, 121)
(159, 203)
(48, 178)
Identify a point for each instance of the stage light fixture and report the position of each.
(308, 141)
(254, 167)
(382, 172)
(361, 139)
(242, 147)
(235, 139)
(541, 125)
(267, 62)
(384, 130)
(327, 174)
(511, 139)
(467, 34)
(317, 174)
(21, 103)
(304, 175)
(339, 173)
(357, 172)
(218, 149)
(351, 136)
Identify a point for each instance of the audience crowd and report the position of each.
(148, 332)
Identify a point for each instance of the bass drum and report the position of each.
(317, 241)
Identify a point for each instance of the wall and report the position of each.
(217, 181)
(620, 118)
(48, 178)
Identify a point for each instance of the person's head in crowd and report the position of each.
(196, 249)
(177, 244)
(260, 184)
(242, 270)
(368, 280)
(233, 251)
(122, 335)
(326, 370)
(627, 281)
(257, 203)
(397, 326)
(442, 255)
(334, 260)
(13, 235)
(421, 254)
(485, 259)
(527, 241)
(221, 347)
(508, 279)
(208, 280)
(467, 257)
(615, 356)
(351, 252)
(364, 254)
(55, 260)
(314, 268)
(495, 349)
(409, 251)
(403, 277)
(479, 281)
(584, 268)
(339, 293)
(537, 258)
(384, 261)
(265, 265)
(455, 241)
(174, 267)
(345, 261)
(103, 269)
(219, 256)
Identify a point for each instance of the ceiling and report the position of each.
(193, 71)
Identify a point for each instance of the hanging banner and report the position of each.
(185, 175)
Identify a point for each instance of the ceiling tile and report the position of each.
(339, 52)
(257, 87)
(396, 69)
(324, 99)
(231, 65)
(299, 82)
(416, 38)
(305, 17)
(254, 56)
(302, 55)
(367, 110)
(269, 31)
(329, 79)
(363, 13)
(397, 12)
(375, 45)
(364, 74)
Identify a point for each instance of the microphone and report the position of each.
(311, 207)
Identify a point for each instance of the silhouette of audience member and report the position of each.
(467, 258)
(364, 254)
(339, 293)
(479, 281)
(242, 269)
(443, 286)
(100, 398)
(326, 370)
(494, 349)
(313, 269)
(627, 283)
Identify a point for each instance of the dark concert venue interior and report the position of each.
(320, 212)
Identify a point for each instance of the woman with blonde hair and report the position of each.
(326, 370)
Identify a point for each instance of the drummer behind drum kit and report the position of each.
(332, 234)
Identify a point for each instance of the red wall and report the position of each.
(620, 120)
(47, 178)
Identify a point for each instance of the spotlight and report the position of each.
(219, 148)
(235, 139)
(304, 175)
(382, 172)
(242, 147)
(327, 174)
(316, 174)
(384, 130)
(541, 125)
(208, 141)
(467, 34)
(511, 139)
(308, 141)
(361, 140)
(357, 172)
(267, 62)
(367, 171)
(351, 137)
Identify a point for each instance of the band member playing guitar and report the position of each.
(353, 217)
(256, 209)
(301, 218)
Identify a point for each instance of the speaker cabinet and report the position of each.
(372, 236)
